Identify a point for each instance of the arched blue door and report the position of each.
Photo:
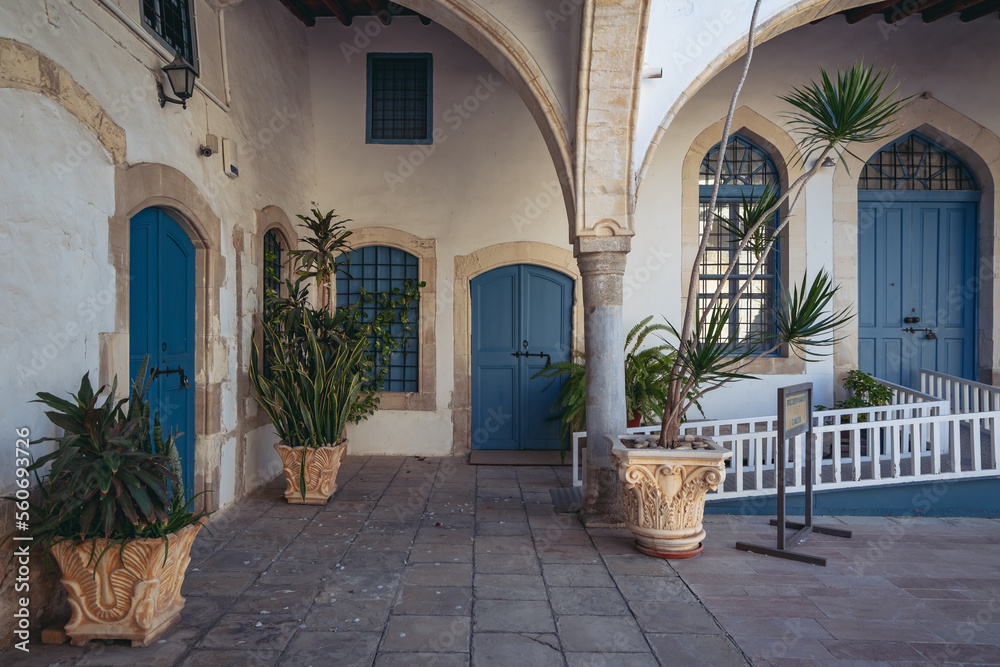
(161, 322)
(519, 314)
(917, 250)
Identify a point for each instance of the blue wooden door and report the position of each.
(519, 314)
(161, 322)
(916, 262)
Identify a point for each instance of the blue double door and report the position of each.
(162, 322)
(917, 290)
(521, 320)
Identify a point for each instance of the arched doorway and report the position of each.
(522, 319)
(162, 323)
(918, 211)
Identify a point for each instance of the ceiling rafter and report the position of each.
(299, 12)
(946, 8)
(980, 11)
(908, 8)
(383, 13)
(861, 13)
(338, 10)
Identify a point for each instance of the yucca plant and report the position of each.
(311, 398)
(112, 474)
(856, 105)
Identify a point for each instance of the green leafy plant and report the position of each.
(854, 106)
(112, 474)
(646, 374)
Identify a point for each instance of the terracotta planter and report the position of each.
(664, 493)
(636, 420)
(322, 464)
(135, 594)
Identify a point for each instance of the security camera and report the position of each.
(210, 147)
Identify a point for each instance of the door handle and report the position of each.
(156, 372)
(540, 355)
(929, 333)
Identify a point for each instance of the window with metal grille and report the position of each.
(746, 171)
(915, 163)
(272, 263)
(172, 22)
(399, 98)
(375, 269)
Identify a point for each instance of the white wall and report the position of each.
(952, 75)
(486, 179)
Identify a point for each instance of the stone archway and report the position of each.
(138, 187)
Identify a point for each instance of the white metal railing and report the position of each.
(752, 433)
(963, 396)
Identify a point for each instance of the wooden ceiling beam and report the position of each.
(338, 10)
(380, 11)
(299, 12)
(423, 19)
(980, 10)
(861, 13)
(946, 8)
(907, 9)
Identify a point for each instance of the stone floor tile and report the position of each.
(797, 607)
(276, 601)
(875, 650)
(291, 573)
(434, 600)
(349, 615)
(532, 616)
(756, 626)
(875, 630)
(438, 535)
(557, 553)
(640, 587)
(508, 564)
(503, 649)
(344, 649)
(417, 659)
(576, 574)
(438, 574)
(204, 612)
(587, 601)
(436, 634)
(162, 653)
(249, 631)
(694, 649)
(239, 561)
(637, 564)
(509, 587)
(441, 553)
(198, 583)
(590, 634)
(673, 617)
(214, 658)
(612, 660)
(360, 585)
(969, 654)
(792, 647)
(503, 528)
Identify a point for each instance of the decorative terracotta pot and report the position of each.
(664, 492)
(636, 420)
(322, 464)
(134, 594)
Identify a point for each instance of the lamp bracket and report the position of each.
(161, 95)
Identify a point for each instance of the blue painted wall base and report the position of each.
(971, 497)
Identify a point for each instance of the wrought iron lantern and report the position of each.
(181, 76)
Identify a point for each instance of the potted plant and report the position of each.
(863, 391)
(113, 514)
(309, 399)
(319, 368)
(664, 485)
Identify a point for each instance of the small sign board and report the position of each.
(797, 409)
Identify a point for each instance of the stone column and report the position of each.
(602, 268)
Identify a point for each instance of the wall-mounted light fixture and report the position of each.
(829, 162)
(181, 77)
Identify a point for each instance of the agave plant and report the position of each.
(853, 106)
(112, 474)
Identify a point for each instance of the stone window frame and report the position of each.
(425, 398)
(786, 157)
(269, 219)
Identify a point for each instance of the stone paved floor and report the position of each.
(434, 562)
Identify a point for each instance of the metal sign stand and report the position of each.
(794, 419)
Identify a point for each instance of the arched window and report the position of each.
(273, 252)
(747, 171)
(374, 269)
(914, 162)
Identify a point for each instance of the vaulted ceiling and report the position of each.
(345, 10)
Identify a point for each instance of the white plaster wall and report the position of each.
(952, 75)
(486, 179)
(57, 288)
(269, 118)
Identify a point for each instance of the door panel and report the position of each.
(517, 310)
(915, 257)
(161, 321)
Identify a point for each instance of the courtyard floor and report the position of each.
(434, 562)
